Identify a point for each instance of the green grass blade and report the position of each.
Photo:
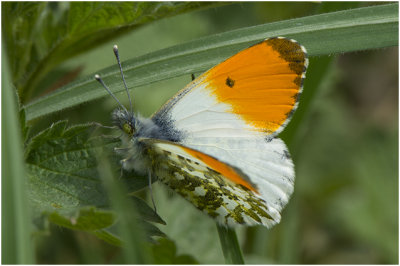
(17, 246)
(230, 245)
(337, 32)
(318, 67)
(136, 249)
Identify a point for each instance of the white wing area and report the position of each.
(199, 113)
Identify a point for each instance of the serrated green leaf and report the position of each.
(24, 127)
(109, 237)
(112, 235)
(114, 239)
(65, 184)
(98, 222)
(186, 226)
(62, 168)
(41, 224)
(151, 230)
(326, 34)
(165, 252)
(44, 34)
(132, 181)
(146, 212)
(86, 219)
(18, 30)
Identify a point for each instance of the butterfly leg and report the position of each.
(97, 127)
(117, 149)
(103, 126)
(121, 174)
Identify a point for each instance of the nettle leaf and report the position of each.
(24, 126)
(62, 168)
(65, 187)
(18, 30)
(43, 34)
(152, 230)
(86, 219)
(146, 212)
(99, 222)
(107, 236)
(165, 252)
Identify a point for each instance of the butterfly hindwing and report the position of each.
(265, 162)
(209, 184)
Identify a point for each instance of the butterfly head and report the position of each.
(121, 117)
(133, 126)
(125, 120)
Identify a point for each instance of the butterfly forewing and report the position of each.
(254, 91)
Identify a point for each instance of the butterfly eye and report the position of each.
(128, 129)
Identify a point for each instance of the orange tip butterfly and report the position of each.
(215, 142)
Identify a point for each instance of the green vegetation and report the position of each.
(343, 138)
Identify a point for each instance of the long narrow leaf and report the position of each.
(337, 32)
(136, 249)
(230, 245)
(17, 246)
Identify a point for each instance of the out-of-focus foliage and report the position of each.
(41, 35)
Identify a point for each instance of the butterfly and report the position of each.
(215, 142)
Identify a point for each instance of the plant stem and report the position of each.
(230, 245)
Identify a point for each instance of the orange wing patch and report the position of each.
(221, 168)
(262, 83)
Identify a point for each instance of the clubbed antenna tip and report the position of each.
(115, 49)
(100, 80)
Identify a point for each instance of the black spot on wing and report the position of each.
(229, 82)
(286, 154)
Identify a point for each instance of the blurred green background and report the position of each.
(345, 149)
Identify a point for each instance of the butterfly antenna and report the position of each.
(98, 78)
(115, 48)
